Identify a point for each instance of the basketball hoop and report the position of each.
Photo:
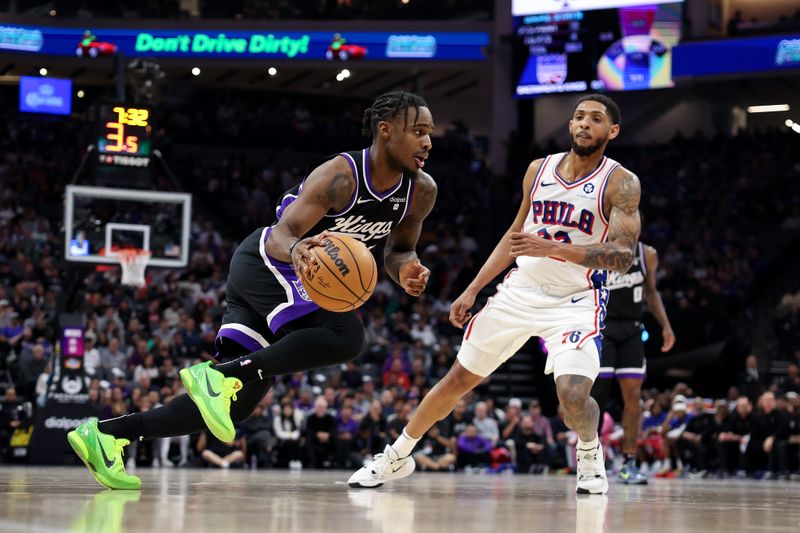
(133, 263)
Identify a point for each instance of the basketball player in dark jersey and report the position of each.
(623, 348)
(378, 195)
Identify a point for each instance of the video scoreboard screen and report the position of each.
(611, 49)
(124, 138)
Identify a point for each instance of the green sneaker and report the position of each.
(212, 392)
(102, 455)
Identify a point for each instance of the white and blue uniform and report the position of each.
(561, 302)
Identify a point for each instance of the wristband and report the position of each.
(291, 247)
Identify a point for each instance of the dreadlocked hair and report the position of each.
(387, 106)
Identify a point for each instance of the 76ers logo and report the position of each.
(570, 336)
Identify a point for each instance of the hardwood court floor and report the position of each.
(35, 499)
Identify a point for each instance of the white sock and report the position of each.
(591, 445)
(404, 444)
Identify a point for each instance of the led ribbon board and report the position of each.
(286, 45)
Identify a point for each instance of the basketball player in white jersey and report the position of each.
(578, 219)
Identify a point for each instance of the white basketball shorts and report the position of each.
(570, 324)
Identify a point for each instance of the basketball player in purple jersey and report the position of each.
(578, 219)
(378, 195)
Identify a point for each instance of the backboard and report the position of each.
(100, 220)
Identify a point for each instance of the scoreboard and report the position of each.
(612, 49)
(124, 138)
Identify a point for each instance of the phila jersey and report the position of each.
(626, 296)
(570, 213)
(370, 216)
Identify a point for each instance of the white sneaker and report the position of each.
(295, 465)
(591, 471)
(385, 467)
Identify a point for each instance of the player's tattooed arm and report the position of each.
(624, 225)
(400, 256)
(328, 188)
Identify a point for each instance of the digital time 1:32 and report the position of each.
(118, 141)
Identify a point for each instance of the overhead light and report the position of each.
(405, 1)
(81, 94)
(343, 75)
(43, 71)
(789, 123)
(53, 13)
(196, 71)
(777, 108)
(796, 127)
(272, 71)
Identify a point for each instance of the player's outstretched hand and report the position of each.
(669, 339)
(459, 310)
(532, 245)
(302, 258)
(414, 277)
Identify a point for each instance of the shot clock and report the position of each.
(124, 138)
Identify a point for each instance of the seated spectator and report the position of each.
(530, 448)
(696, 446)
(29, 372)
(435, 451)
(221, 454)
(487, 427)
(347, 429)
(374, 423)
(769, 425)
(320, 434)
(473, 450)
(113, 357)
(671, 430)
(11, 415)
(734, 430)
(352, 376)
(147, 367)
(287, 428)
(396, 376)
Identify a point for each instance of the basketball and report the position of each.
(344, 275)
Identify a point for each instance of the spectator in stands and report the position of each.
(347, 429)
(396, 376)
(30, 369)
(733, 431)
(531, 452)
(486, 427)
(11, 417)
(221, 454)
(697, 443)
(750, 382)
(768, 426)
(320, 434)
(112, 358)
(374, 424)
(473, 450)
(287, 428)
(435, 453)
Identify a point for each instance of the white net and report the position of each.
(133, 263)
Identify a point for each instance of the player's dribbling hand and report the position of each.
(414, 277)
(459, 310)
(669, 339)
(532, 245)
(302, 258)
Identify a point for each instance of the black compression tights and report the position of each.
(314, 341)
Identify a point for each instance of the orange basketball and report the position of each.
(344, 275)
